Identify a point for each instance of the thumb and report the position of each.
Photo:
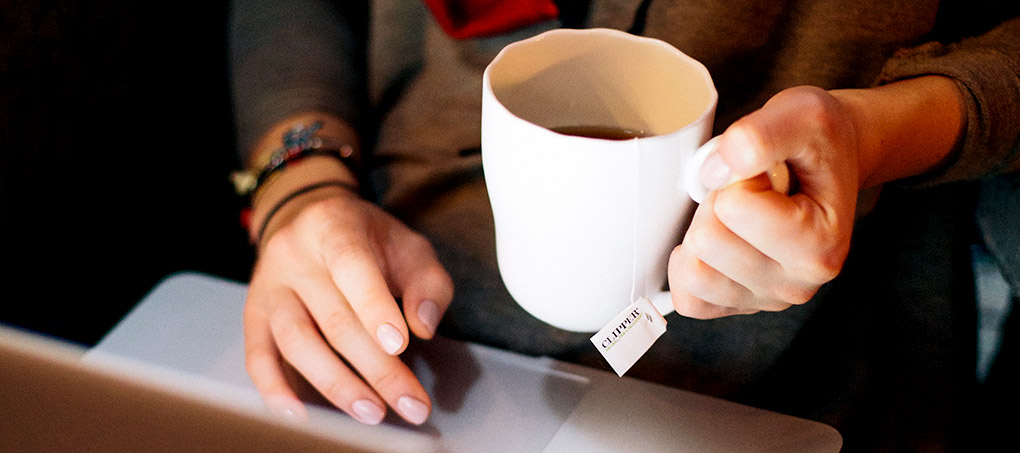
(742, 153)
(750, 161)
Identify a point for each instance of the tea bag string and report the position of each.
(638, 276)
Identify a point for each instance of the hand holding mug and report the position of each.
(750, 248)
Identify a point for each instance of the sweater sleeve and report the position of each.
(987, 70)
(292, 56)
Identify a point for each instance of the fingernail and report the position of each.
(740, 147)
(286, 409)
(389, 338)
(413, 410)
(714, 172)
(428, 313)
(368, 412)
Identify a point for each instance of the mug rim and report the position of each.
(708, 113)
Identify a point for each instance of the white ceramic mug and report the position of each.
(586, 225)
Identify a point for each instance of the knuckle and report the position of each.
(730, 209)
(822, 255)
(419, 243)
(754, 135)
(439, 278)
(816, 110)
(825, 271)
(390, 377)
(692, 282)
(704, 312)
(790, 295)
(683, 306)
(681, 271)
(689, 306)
(341, 252)
(773, 306)
(289, 337)
(812, 103)
(338, 326)
(675, 264)
(699, 240)
(414, 247)
(336, 390)
(819, 111)
(825, 267)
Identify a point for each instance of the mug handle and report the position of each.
(779, 174)
(663, 301)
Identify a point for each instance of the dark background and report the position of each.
(116, 142)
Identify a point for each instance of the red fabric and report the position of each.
(475, 18)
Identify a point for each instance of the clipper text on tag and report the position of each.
(629, 335)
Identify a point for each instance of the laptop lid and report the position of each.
(52, 400)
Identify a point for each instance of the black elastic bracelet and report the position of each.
(281, 162)
(291, 196)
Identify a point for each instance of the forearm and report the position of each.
(906, 128)
(985, 70)
(293, 56)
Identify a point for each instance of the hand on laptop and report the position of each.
(329, 268)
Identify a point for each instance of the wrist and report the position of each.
(302, 136)
(304, 153)
(867, 139)
(327, 127)
(295, 188)
(905, 128)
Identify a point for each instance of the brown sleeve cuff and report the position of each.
(987, 71)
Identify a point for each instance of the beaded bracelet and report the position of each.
(298, 143)
(257, 239)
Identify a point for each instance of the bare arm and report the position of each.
(906, 128)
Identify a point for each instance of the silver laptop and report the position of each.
(51, 400)
(171, 376)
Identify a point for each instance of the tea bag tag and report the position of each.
(629, 335)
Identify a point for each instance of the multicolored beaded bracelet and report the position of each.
(298, 143)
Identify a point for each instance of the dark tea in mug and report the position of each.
(603, 132)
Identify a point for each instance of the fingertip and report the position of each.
(740, 151)
(714, 172)
(413, 409)
(287, 408)
(433, 291)
(429, 315)
(368, 412)
(390, 339)
(759, 183)
(750, 201)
